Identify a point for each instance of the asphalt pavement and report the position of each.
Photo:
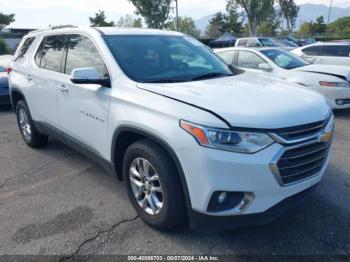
(54, 201)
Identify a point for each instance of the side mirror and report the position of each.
(88, 75)
(265, 67)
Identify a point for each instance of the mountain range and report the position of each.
(307, 13)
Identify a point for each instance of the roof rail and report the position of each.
(62, 26)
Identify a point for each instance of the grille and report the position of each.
(303, 162)
(298, 132)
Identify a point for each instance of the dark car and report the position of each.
(4, 86)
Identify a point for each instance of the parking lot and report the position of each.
(55, 201)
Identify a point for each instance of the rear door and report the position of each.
(83, 109)
(45, 78)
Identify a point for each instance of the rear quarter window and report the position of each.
(335, 50)
(23, 49)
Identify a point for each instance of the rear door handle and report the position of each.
(29, 77)
(63, 88)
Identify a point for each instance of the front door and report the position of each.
(83, 109)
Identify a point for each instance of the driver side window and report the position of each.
(250, 60)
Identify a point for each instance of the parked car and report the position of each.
(190, 137)
(4, 86)
(331, 81)
(330, 53)
(261, 42)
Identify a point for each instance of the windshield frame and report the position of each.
(203, 52)
(289, 54)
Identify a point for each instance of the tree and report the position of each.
(305, 29)
(290, 12)
(5, 20)
(129, 21)
(100, 20)
(257, 11)
(340, 26)
(222, 23)
(155, 12)
(319, 27)
(267, 28)
(3, 47)
(186, 25)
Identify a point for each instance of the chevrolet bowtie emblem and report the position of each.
(325, 137)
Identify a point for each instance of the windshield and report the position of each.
(165, 59)
(284, 59)
(265, 41)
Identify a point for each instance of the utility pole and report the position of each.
(177, 16)
(329, 13)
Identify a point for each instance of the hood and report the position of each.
(249, 100)
(339, 71)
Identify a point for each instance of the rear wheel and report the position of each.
(25, 123)
(153, 185)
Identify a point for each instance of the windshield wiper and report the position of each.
(210, 75)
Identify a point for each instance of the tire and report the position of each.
(28, 131)
(172, 212)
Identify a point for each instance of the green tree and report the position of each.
(222, 23)
(267, 28)
(257, 11)
(340, 26)
(289, 12)
(319, 27)
(186, 25)
(5, 20)
(3, 47)
(155, 12)
(305, 29)
(100, 20)
(129, 21)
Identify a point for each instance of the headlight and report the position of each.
(228, 140)
(334, 84)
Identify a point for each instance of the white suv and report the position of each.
(191, 137)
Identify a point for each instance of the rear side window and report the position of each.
(335, 50)
(242, 42)
(50, 53)
(313, 50)
(83, 53)
(24, 49)
(250, 60)
(228, 56)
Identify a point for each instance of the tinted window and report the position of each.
(83, 53)
(248, 59)
(24, 49)
(284, 59)
(161, 58)
(335, 50)
(50, 53)
(227, 56)
(265, 41)
(242, 42)
(312, 50)
(253, 43)
(2, 69)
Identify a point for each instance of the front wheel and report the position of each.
(28, 131)
(154, 186)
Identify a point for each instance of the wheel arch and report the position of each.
(16, 95)
(125, 135)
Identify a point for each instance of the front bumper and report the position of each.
(207, 223)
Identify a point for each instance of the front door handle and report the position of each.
(63, 88)
(29, 77)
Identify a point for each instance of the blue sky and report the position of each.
(42, 13)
